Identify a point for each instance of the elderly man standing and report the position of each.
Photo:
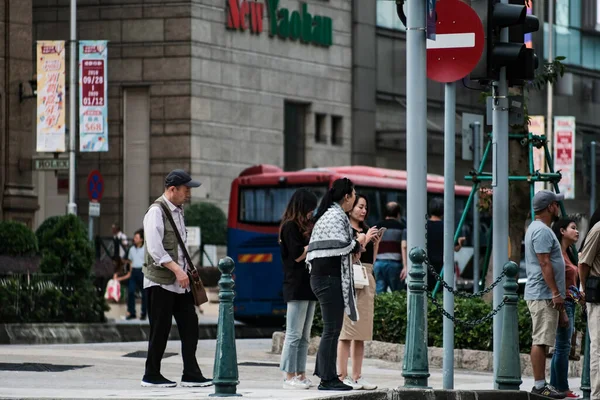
(167, 285)
(545, 289)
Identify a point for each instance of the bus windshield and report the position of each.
(265, 205)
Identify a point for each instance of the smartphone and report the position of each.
(381, 231)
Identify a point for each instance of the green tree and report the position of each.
(212, 222)
(16, 239)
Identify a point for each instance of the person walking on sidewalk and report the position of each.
(135, 257)
(354, 334)
(167, 285)
(545, 288)
(294, 232)
(329, 259)
(567, 234)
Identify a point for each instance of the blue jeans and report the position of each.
(299, 320)
(387, 274)
(136, 280)
(559, 371)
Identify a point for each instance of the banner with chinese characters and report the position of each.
(93, 115)
(50, 96)
(536, 127)
(564, 154)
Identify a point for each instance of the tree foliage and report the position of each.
(211, 220)
(16, 239)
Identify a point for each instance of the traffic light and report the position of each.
(520, 61)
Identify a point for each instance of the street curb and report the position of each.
(69, 333)
(473, 360)
(429, 394)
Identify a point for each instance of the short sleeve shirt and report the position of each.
(590, 254)
(540, 239)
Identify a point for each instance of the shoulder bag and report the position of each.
(361, 279)
(196, 285)
(592, 290)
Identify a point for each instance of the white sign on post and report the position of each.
(94, 209)
(193, 236)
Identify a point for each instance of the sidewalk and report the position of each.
(102, 371)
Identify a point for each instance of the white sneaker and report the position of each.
(294, 383)
(308, 382)
(366, 385)
(350, 382)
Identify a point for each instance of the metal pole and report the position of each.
(72, 206)
(476, 128)
(90, 228)
(416, 123)
(449, 161)
(500, 193)
(550, 89)
(416, 154)
(593, 178)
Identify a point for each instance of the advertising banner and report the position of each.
(93, 115)
(536, 127)
(50, 124)
(564, 154)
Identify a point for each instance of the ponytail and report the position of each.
(335, 194)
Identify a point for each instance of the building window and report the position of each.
(294, 135)
(337, 130)
(62, 184)
(387, 16)
(320, 127)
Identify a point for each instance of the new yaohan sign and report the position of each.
(287, 24)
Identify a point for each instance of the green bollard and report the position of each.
(225, 371)
(586, 386)
(509, 368)
(415, 368)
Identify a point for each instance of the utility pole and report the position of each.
(592, 178)
(500, 193)
(72, 206)
(549, 87)
(476, 129)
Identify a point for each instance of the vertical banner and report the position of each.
(93, 115)
(564, 154)
(536, 127)
(51, 96)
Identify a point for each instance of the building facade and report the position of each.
(215, 86)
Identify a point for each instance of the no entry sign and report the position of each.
(458, 43)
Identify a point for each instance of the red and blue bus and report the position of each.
(258, 199)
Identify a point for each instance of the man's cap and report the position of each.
(179, 177)
(544, 198)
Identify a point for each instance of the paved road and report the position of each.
(101, 372)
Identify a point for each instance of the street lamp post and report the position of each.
(72, 206)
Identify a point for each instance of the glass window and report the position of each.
(265, 205)
(562, 13)
(588, 49)
(575, 13)
(387, 16)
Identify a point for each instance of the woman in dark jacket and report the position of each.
(330, 250)
(294, 233)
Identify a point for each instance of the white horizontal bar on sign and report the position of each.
(452, 41)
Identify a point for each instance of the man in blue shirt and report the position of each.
(135, 257)
(545, 289)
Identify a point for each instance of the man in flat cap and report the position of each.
(545, 288)
(167, 285)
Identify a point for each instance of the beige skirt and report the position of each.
(365, 302)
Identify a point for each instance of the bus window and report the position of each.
(266, 205)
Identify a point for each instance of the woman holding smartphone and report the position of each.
(353, 336)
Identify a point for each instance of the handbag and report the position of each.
(196, 285)
(113, 290)
(361, 279)
(592, 290)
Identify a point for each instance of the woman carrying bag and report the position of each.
(329, 258)
(296, 226)
(353, 335)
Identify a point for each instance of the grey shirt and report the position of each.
(540, 239)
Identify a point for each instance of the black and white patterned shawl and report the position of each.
(332, 236)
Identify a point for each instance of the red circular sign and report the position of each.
(459, 42)
(95, 185)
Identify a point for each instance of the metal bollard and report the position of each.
(509, 368)
(415, 368)
(225, 371)
(586, 386)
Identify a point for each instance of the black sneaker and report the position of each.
(157, 381)
(195, 381)
(548, 391)
(130, 317)
(334, 384)
(143, 317)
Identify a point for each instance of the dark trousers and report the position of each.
(136, 281)
(163, 305)
(328, 290)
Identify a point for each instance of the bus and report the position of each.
(258, 199)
